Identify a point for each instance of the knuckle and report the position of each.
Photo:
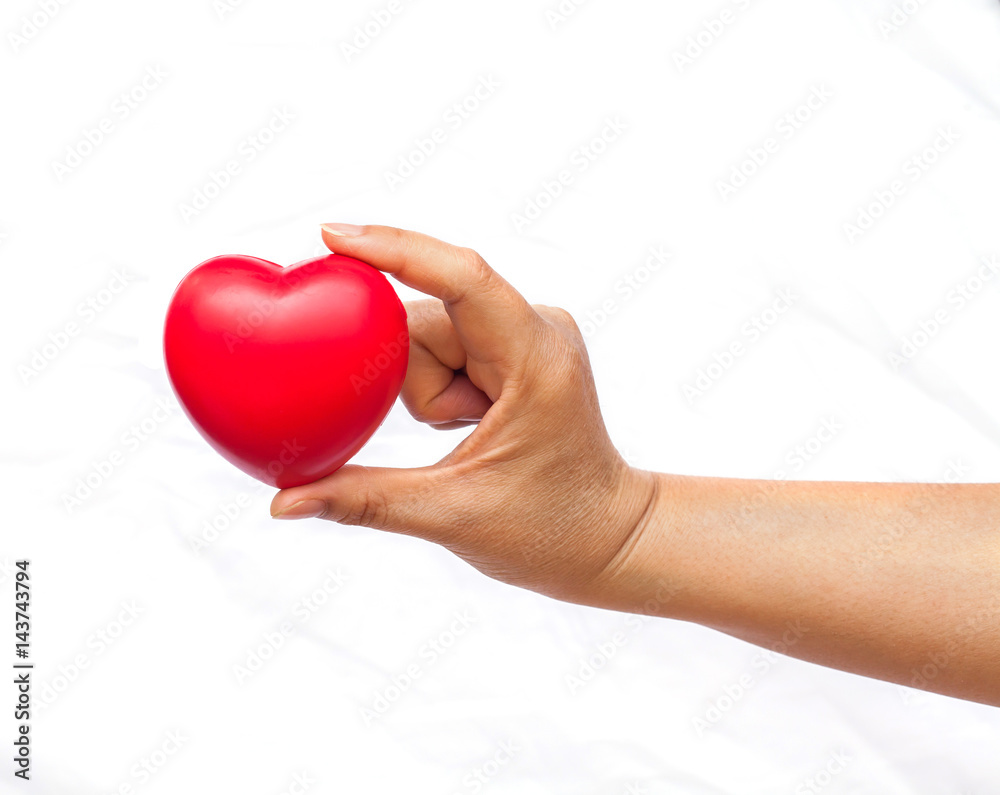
(399, 244)
(569, 344)
(418, 404)
(480, 274)
(566, 320)
(560, 370)
(471, 258)
(569, 356)
(370, 507)
(371, 514)
(419, 412)
(559, 318)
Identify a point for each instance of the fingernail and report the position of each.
(342, 230)
(303, 509)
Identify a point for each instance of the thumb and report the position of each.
(400, 500)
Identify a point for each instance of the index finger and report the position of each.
(493, 320)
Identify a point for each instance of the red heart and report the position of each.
(286, 372)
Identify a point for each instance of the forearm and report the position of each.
(895, 581)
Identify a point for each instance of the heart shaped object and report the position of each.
(287, 372)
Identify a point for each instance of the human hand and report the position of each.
(537, 495)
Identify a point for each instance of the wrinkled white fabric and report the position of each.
(591, 170)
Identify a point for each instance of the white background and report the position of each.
(103, 707)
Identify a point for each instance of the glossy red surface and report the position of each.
(287, 372)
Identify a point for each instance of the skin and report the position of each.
(895, 581)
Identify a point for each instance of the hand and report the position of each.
(536, 495)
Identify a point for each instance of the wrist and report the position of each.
(641, 577)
